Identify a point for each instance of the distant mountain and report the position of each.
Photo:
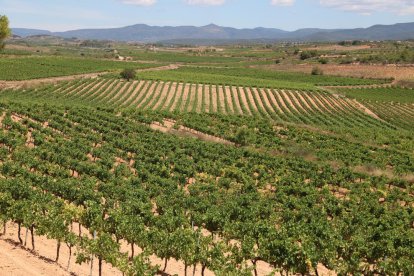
(212, 32)
(22, 32)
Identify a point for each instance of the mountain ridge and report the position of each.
(151, 34)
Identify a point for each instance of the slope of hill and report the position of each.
(145, 33)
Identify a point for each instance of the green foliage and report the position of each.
(41, 67)
(4, 30)
(308, 54)
(381, 94)
(128, 74)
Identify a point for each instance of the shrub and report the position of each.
(316, 71)
(323, 61)
(128, 74)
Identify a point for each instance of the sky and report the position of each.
(61, 15)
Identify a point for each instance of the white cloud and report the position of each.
(206, 2)
(139, 2)
(366, 7)
(282, 2)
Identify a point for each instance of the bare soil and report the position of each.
(170, 94)
(236, 100)
(266, 101)
(177, 96)
(398, 73)
(249, 97)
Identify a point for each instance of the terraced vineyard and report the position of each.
(281, 105)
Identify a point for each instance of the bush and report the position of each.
(323, 61)
(128, 74)
(308, 54)
(316, 71)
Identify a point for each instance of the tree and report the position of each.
(128, 74)
(4, 30)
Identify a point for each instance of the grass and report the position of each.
(383, 94)
(24, 68)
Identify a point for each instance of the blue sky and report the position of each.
(60, 15)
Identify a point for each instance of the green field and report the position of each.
(22, 68)
(252, 77)
(387, 94)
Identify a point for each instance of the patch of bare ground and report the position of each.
(192, 95)
(29, 139)
(266, 101)
(364, 109)
(185, 95)
(17, 260)
(235, 97)
(161, 68)
(20, 261)
(104, 97)
(297, 102)
(168, 126)
(281, 100)
(327, 103)
(147, 94)
(287, 100)
(138, 93)
(164, 94)
(207, 97)
(102, 90)
(80, 90)
(249, 97)
(200, 96)
(214, 98)
(273, 100)
(388, 172)
(305, 104)
(397, 72)
(312, 102)
(256, 93)
(321, 105)
(178, 95)
(37, 82)
(170, 95)
(2, 118)
(156, 93)
(340, 48)
(116, 93)
(229, 103)
(221, 100)
(128, 92)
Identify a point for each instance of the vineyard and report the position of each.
(165, 196)
(22, 68)
(202, 170)
(304, 107)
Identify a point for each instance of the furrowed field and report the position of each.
(205, 166)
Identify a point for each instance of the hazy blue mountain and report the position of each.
(212, 32)
(23, 32)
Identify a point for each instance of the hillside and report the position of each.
(196, 35)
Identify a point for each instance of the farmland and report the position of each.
(23, 68)
(213, 166)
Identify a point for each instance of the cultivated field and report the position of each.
(203, 165)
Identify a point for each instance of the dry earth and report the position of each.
(399, 73)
